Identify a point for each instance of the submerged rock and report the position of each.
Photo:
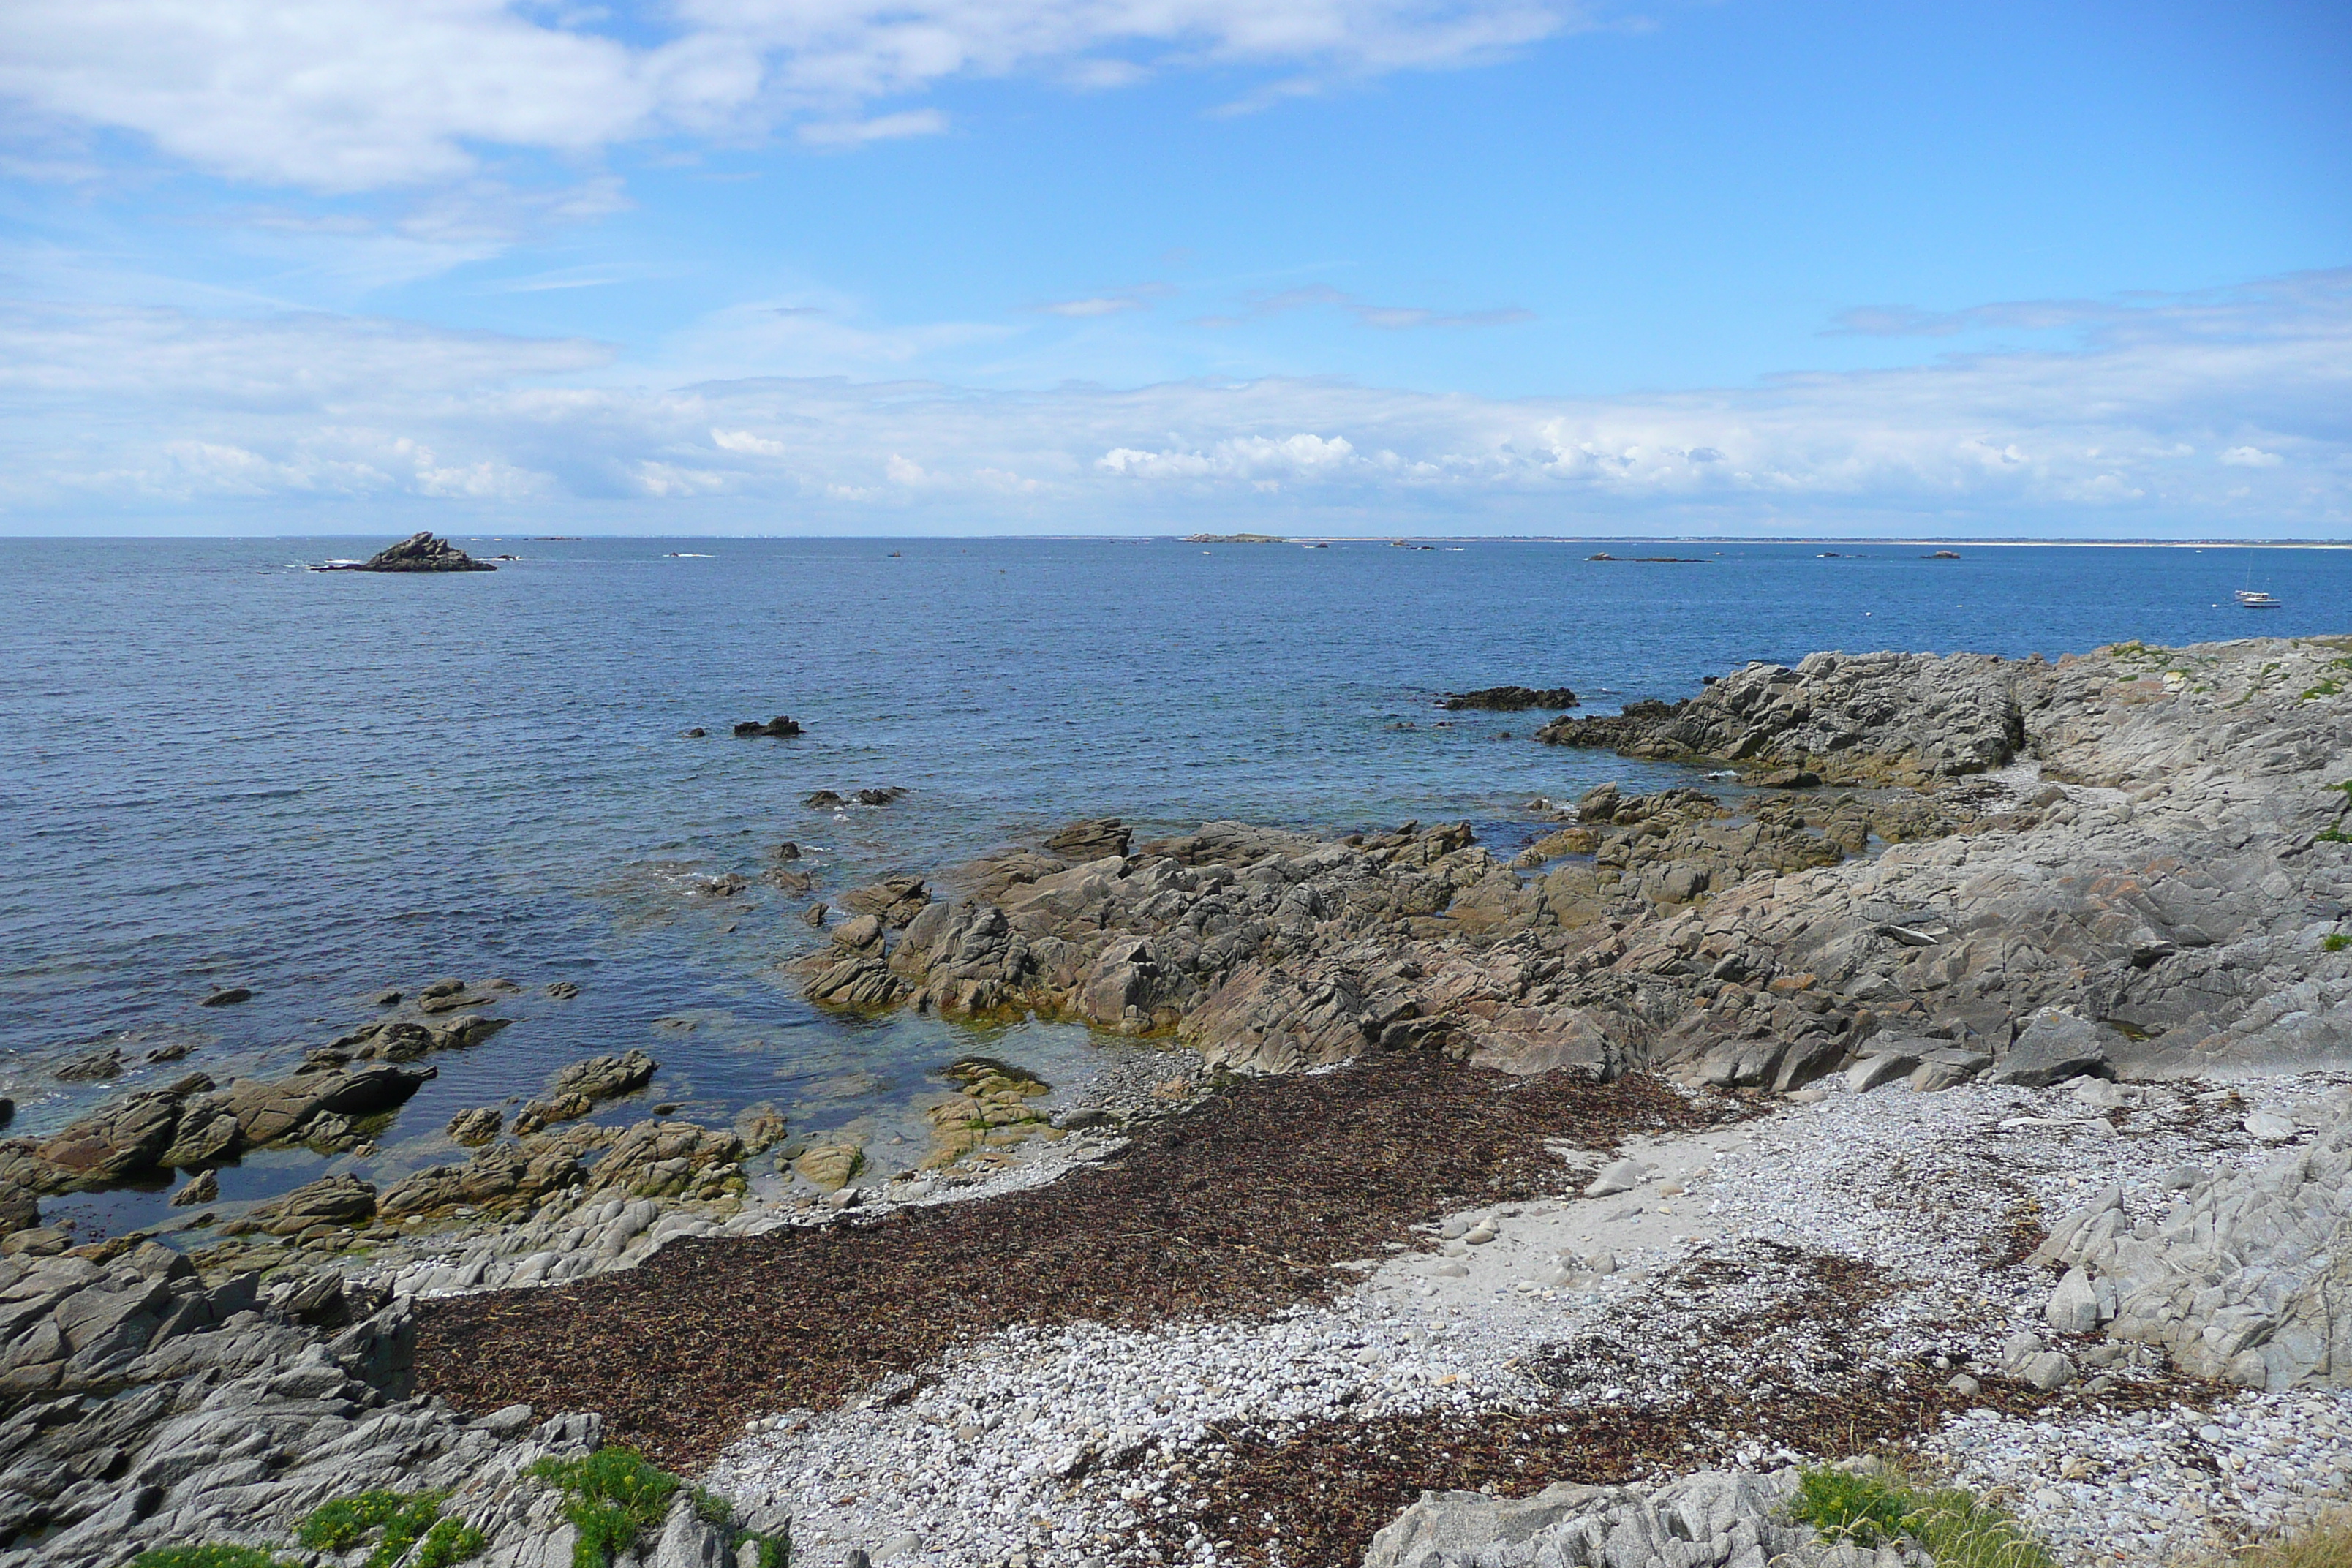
(1508, 699)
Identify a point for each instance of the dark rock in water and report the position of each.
(790, 881)
(7, 1111)
(205, 1189)
(330, 1200)
(823, 799)
(894, 900)
(814, 914)
(1508, 699)
(420, 553)
(171, 1053)
(97, 1065)
(475, 1127)
(879, 796)
(575, 1090)
(562, 990)
(1618, 731)
(782, 726)
(19, 1210)
(1094, 841)
(386, 998)
(696, 733)
(229, 996)
(787, 850)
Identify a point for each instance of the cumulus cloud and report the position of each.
(2196, 414)
(348, 94)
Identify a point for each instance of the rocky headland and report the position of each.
(1958, 1071)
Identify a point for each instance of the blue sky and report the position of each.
(1078, 265)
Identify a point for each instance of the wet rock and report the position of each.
(606, 1077)
(476, 1126)
(759, 1126)
(336, 1200)
(829, 1167)
(823, 799)
(561, 990)
(576, 1090)
(267, 1111)
(207, 1135)
(119, 1142)
(894, 900)
(671, 1159)
(498, 1176)
(95, 1065)
(1091, 840)
(782, 727)
(203, 1189)
(228, 997)
(1508, 699)
(19, 1209)
(815, 915)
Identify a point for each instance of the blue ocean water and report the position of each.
(219, 768)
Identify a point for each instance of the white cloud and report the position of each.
(882, 128)
(109, 408)
(347, 95)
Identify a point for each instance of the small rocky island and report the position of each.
(417, 552)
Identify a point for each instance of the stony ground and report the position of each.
(1250, 1319)
(1807, 1284)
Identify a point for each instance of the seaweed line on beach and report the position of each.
(1236, 1208)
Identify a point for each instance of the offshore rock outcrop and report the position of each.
(419, 553)
(2167, 875)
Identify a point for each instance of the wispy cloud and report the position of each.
(1116, 301)
(2209, 414)
(882, 128)
(1388, 318)
(353, 95)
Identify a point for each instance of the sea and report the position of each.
(220, 768)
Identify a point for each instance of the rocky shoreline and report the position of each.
(1966, 1071)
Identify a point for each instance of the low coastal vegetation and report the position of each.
(407, 1528)
(1953, 1526)
(615, 1495)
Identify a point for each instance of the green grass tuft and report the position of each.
(615, 1495)
(342, 1523)
(2336, 941)
(207, 1557)
(450, 1540)
(1953, 1526)
(1862, 1509)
